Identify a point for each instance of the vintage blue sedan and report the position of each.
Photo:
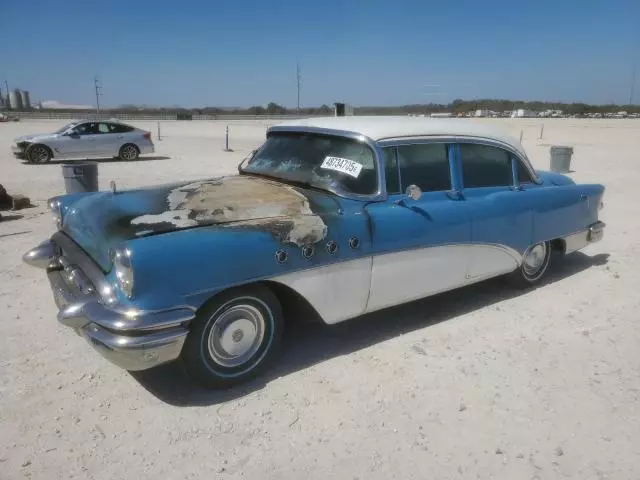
(342, 215)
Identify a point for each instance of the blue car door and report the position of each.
(501, 216)
(419, 246)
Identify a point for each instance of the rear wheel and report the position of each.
(233, 337)
(129, 152)
(39, 154)
(535, 263)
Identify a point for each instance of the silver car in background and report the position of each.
(84, 139)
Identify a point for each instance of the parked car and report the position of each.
(4, 118)
(343, 215)
(85, 139)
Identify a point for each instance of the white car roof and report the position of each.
(386, 127)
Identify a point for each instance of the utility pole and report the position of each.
(298, 76)
(98, 88)
(633, 82)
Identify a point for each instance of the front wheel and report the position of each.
(38, 154)
(535, 263)
(233, 337)
(129, 152)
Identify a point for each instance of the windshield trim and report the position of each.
(380, 194)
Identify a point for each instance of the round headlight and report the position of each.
(54, 206)
(123, 270)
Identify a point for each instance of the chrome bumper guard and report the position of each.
(133, 340)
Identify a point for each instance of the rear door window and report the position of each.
(425, 165)
(485, 166)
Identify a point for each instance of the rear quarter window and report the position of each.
(119, 128)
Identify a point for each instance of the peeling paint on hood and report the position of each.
(103, 220)
(241, 201)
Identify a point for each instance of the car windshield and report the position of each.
(65, 128)
(327, 162)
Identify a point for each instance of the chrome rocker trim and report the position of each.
(131, 339)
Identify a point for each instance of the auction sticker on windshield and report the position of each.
(343, 165)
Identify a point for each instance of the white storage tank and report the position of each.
(26, 102)
(15, 100)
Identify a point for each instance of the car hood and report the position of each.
(104, 220)
(36, 137)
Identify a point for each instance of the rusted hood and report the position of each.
(295, 215)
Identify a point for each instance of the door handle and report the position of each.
(583, 197)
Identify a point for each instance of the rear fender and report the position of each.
(562, 210)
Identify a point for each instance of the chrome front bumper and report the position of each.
(131, 339)
(17, 152)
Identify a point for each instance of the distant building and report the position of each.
(442, 115)
(522, 113)
(342, 109)
(26, 101)
(15, 100)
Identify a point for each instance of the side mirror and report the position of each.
(72, 134)
(414, 192)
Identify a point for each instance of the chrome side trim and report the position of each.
(397, 141)
(380, 193)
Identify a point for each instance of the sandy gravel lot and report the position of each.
(483, 382)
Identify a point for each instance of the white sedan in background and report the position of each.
(85, 139)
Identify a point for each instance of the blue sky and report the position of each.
(242, 53)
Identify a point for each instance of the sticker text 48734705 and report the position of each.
(343, 165)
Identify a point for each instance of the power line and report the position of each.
(98, 87)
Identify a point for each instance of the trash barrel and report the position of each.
(561, 158)
(80, 177)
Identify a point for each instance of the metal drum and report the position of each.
(561, 158)
(80, 177)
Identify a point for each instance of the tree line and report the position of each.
(455, 107)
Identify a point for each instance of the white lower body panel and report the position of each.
(347, 289)
(405, 276)
(337, 292)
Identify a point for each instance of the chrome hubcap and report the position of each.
(236, 335)
(534, 259)
(129, 153)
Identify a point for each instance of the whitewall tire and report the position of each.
(233, 337)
